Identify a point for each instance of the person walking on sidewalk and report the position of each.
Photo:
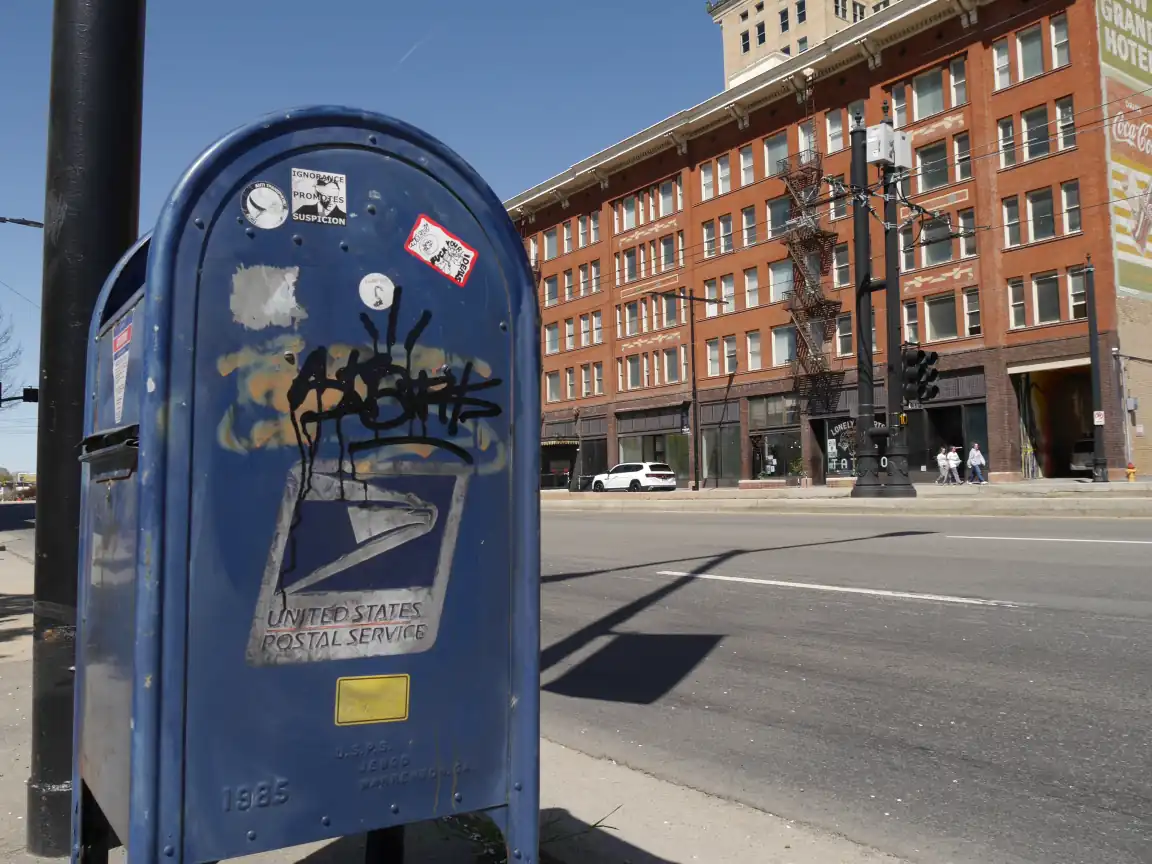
(975, 461)
(942, 464)
(953, 466)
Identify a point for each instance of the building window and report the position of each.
(726, 233)
(585, 330)
(669, 304)
(907, 249)
(667, 202)
(1046, 298)
(630, 212)
(1007, 142)
(807, 135)
(779, 280)
(801, 44)
(632, 318)
(597, 328)
(843, 335)
(801, 11)
(936, 241)
(751, 288)
(839, 199)
(1016, 309)
(745, 42)
(834, 122)
(967, 233)
(752, 342)
(595, 276)
(533, 249)
(1070, 197)
(779, 210)
(783, 20)
(723, 177)
(630, 265)
(928, 94)
(712, 349)
(567, 237)
(584, 286)
(1041, 215)
(959, 74)
(598, 378)
(552, 380)
(747, 169)
(1077, 294)
(709, 230)
(632, 364)
(748, 224)
(568, 290)
(899, 106)
(551, 291)
(728, 292)
(1065, 123)
(582, 231)
(972, 311)
(1060, 53)
(962, 146)
(1035, 125)
(569, 334)
(570, 382)
(783, 345)
(841, 274)
(932, 163)
(549, 244)
(551, 338)
(1001, 64)
(841, 9)
(671, 365)
(594, 226)
(730, 360)
(775, 153)
(1011, 221)
(586, 380)
(761, 33)
(940, 313)
(858, 12)
(711, 307)
(1030, 51)
(707, 189)
(667, 253)
(911, 323)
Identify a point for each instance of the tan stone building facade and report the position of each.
(683, 231)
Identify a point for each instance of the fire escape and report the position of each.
(811, 249)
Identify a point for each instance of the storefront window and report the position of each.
(671, 449)
(721, 455)
(776, 455)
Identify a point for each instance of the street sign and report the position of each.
(1097, 418)
(310, 578)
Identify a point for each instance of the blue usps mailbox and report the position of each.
(310, 537)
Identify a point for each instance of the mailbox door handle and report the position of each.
(112, 454)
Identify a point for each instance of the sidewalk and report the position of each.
(593, 811)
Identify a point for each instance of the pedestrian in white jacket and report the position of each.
(942, 464)
(953, 467)
(975, 463)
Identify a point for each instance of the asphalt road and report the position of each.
(1006, 719)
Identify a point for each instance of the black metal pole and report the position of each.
(1099, 460)
(867, 461)
(898, 484)
(90, 214)
(695, 399)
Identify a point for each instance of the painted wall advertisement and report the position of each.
(1126, 59)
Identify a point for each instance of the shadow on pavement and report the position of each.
(18, 516)
(563, 837)
(13, 606)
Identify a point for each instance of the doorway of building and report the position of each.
(1055, 408)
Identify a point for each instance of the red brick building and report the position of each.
(1017, 114)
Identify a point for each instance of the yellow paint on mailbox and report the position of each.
(372, 699)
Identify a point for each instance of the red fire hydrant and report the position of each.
(1131, 472)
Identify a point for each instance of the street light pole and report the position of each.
(1099, 459)
(899, 484)
(695, 398)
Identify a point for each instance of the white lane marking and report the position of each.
(1052, 540)
(842, 589)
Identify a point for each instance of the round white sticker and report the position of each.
(264, 205)
(376, 291)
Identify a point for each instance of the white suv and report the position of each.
(635, 477)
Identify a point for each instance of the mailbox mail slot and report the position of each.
(309, 579)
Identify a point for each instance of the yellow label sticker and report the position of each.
(371, 699)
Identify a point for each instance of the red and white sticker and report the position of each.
(437, 246)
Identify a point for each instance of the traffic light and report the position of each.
(918, 374)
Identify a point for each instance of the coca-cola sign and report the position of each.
(1136, 135)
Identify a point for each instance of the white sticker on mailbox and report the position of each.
(437, 246)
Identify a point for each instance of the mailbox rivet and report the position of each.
(169, 851)
(251, 835)
(199, 223)
(371, 208)
(324, 820)
(516, 854)
(239, 220)
(371, 139)
(297, 239)
(517, 786)
(504, 326)
(395, 808)
(343, 245)
(290, 357)
(250, 232)
(458, 797)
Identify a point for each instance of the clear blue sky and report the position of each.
(521, 90)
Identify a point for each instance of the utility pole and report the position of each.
(898, 483)
(867, 457)
(692, 299)
(91, 212)
(1099, 459)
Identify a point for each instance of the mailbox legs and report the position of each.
(385, 846)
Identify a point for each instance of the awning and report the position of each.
(1050, 364)
(560, 442)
